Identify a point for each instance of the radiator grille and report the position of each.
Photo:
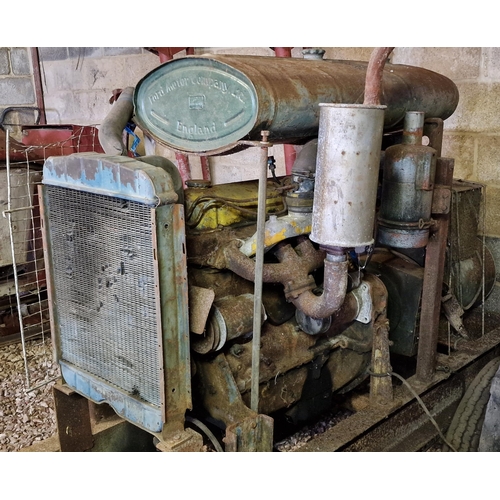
(104, 281)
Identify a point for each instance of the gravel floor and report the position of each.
(26, 416)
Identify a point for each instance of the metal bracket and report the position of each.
(186, 440)
(364, 299)
(73, 419)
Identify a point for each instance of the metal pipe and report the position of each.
(205, 169)
(259, 263)
(294, 267)
(13, 250)
(111, 130)
(40, 102)
(288, 149)
(183, 167)
(373, 83)
(413, 128)
(334, 290)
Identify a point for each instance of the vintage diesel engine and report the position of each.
(233, 303)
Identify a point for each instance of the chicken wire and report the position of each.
(24, 307)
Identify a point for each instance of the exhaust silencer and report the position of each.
(348, 163)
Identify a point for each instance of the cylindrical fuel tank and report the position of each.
(407, 188)
(206, 104)
(347, 169)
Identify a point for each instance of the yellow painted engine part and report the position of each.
(227, 204)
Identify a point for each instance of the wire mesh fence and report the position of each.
(24, 303)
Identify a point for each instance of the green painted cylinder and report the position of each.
(407, 189)
(206, 104)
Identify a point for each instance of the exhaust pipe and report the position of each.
(347, 168)
(111, 129)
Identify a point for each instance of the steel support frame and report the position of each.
(403, 426)
(433, 279)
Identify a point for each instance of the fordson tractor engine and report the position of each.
(233, 303)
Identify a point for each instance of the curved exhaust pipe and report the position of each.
(348, 161)
(373, 82)
(111, 130)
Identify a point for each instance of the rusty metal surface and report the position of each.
(174, 306)
(252, 434)
(347, 173)
(374, 72)
(73, 419)
(186, 440)
(380, 429)
(300, 373)
(231, 317)
(441, 200)
(237, 312)
(287, 354)
(292, 271)
(274, 88)
(332, 297)
(200, 302)
(41, 141)
(381, 392)
(222, 282)
(183, 167)
(217, 392)
(433, 282)
(407, 188)
(282, 349)
(433, 129)
(111, 175)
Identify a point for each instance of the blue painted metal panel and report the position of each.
(119, 176)
(140, 413)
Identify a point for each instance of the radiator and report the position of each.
(115, 251)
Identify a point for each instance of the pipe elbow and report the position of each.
(111, 129)
(334, 292)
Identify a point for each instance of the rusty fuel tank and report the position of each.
(206, 104)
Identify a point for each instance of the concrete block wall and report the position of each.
(78, 81)
(16, 84)
(472, 133)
